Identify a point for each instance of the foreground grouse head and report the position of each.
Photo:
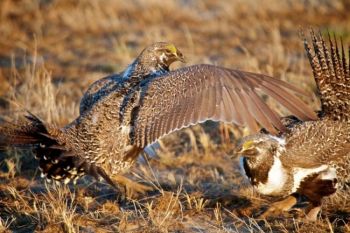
(259, 150)
(260, 162)
(258, 145)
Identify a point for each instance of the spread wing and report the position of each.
(197, 93)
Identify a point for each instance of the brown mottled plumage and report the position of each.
(313, 158)
(148, 63)
(121, 114)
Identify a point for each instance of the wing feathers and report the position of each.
(263, 113)
(260, 78)
(226, 106)
(201, 92)
(234, 105)
(269, 89)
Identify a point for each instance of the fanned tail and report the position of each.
(332, 75)
(24, 134)
(56, 161)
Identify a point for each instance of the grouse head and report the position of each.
(160, 55)
(259, 149)
(259, 153)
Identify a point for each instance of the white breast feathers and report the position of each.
(276, 179)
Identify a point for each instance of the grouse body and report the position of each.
(312, 159)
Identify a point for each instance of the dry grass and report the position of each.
(50, 51)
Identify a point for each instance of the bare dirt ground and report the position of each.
(51, 50)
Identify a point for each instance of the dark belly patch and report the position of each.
(315, 188)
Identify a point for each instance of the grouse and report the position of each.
(312, 158)
(121, 114)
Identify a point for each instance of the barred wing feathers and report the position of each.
(201, 92)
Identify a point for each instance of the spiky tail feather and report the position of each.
(24, 134)
(332, 75)
(56, 161)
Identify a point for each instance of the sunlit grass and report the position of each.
(51, 51)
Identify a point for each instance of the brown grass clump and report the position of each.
(50, 51)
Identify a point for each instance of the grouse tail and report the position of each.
(331, 71)
(52, 148)
(55, 161)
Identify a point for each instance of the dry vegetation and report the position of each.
(51, 50)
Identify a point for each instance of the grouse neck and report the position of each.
(139, 71)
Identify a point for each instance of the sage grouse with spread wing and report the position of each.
(121, 114)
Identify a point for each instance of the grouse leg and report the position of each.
(280, 206)
(312, 211)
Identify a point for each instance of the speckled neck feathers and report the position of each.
(142, 68)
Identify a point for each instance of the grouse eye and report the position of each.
(167, 51)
